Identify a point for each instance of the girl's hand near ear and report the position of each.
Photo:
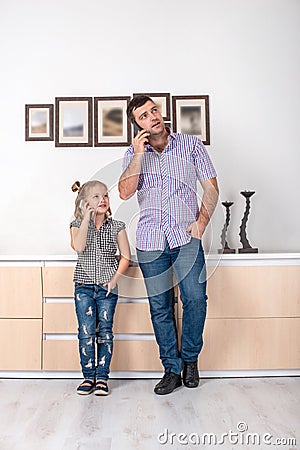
(79, 235)
(88, 211)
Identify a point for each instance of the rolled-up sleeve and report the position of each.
(204, 166)
(127, 158)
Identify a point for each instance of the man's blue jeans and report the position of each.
(187, 263)
(95, 313)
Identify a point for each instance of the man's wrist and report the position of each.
(201, 226)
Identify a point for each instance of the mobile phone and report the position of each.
(137, 128)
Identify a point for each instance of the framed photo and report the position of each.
(163, 103)
(191, 116)
(112, 127)
(73, 122)
(39, 122)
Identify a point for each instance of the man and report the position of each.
(163, 168)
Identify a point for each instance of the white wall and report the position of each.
(243, 53)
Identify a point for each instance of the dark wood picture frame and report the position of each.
(111, 126)
(73, 121)
(39, 122)
(191, 116)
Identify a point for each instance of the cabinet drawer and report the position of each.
(250, 344)
(129, 318)
(136, 355)
(61, 355)
(127, 355)
(59, 318)
(20, 292)
(133, 318)
(265, 291)
(131, 284)
(58, 282)
(246, 292)
(20, 344)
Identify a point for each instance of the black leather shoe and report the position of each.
(168, 383)
(190, 375)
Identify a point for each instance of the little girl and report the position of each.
(95, 236)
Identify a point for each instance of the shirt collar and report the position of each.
(172, 135)
(105, 222)
(171, 138)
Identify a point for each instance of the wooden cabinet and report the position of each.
(250, 344)
(264, 291)
(20, 318)
(58, 281)
(130, 318)
(128, 355)
(20, 292)
(135, 348)
(20, 344)
(253, 319)
(59, 318)
(136, 355)
(131, 284)
(254, 291)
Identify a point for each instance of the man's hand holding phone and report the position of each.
(140, 139)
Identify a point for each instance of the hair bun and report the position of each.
(75, 186)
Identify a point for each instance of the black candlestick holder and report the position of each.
(243, 235)
(224, 244)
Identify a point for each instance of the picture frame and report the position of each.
(162, 101)
(168, 124)
(73, 122)
(191, 116)
(39, 122)
(111, 126)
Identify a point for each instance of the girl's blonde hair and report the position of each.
(82, 195)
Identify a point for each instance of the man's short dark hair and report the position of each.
(135, 103)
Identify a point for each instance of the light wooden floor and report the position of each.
(48, 414)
